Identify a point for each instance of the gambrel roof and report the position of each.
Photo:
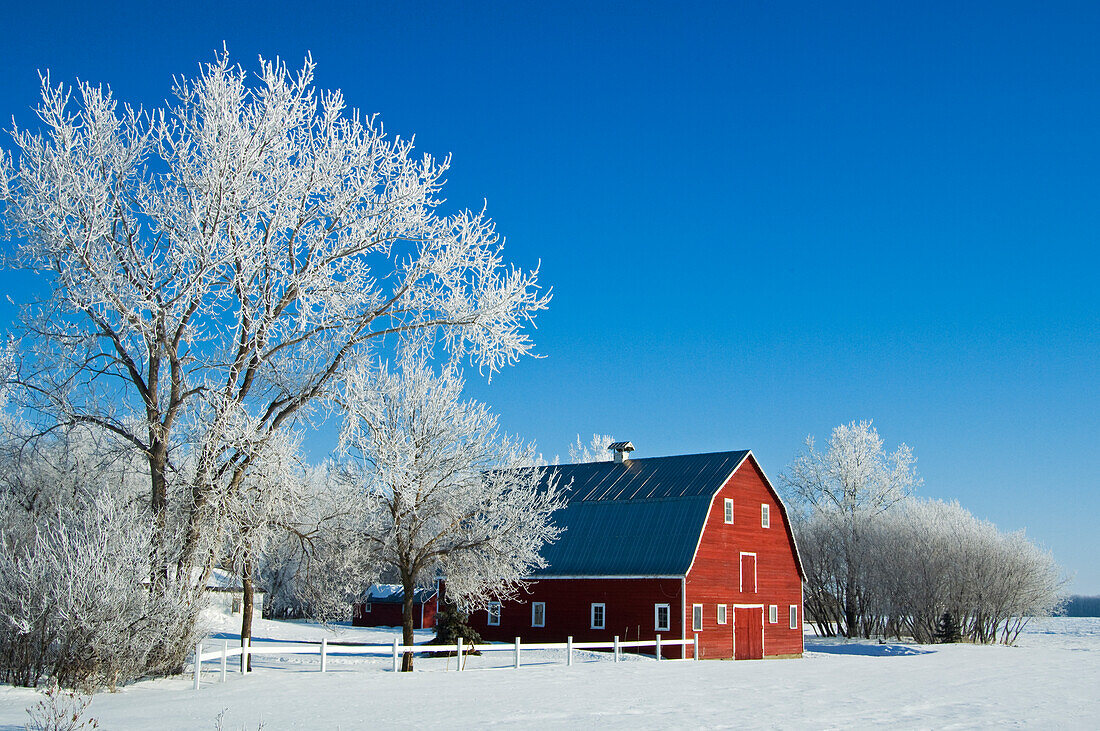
(641, 517)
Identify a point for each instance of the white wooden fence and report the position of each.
(324, 649)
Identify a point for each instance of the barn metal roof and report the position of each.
(641, 517)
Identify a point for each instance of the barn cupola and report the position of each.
(620, 449)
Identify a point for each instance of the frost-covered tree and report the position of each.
(847, 485)
(215, 264)
(313, 565)
(595, 451)
(441, 487)
(270, 500)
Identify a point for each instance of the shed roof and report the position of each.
(222, 580)
(641, 517)
(394, 594)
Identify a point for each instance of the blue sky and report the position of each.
(759, 220)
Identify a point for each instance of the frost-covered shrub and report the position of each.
(76, 604)
(920, 560)
(932, 557)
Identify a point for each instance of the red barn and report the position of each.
(381, 607)
(669, 545)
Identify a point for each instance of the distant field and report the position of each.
(1050, 680)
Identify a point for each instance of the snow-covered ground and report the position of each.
(1050, 680)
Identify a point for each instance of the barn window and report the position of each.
(729, 510)
(765, 517)
(721, 614)
(494, 613)
(794, 616)
(538, 614)
(773, 614)
(697, 617)
(366, 607)
(236, 605)
(661, 617)
(598, 616)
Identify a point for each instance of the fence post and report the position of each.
(695, 654)
(246, 655)
(324, 654)
(658, 644)
(458, 655)
(616, 648)
(395, 654)
(569, 650)
(517, 653)
(198, 662)
(225, 657)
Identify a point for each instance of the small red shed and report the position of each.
(670, 545)
(381, 606)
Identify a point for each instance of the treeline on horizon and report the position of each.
(1081, 606)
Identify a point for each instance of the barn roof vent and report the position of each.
(620, 449)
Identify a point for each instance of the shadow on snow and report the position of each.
(860, 648)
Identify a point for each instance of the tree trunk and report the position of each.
(851, 613)
(246, 609)
(407, 638)
(851, 609)
(158, 502)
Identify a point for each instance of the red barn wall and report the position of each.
(388, 614)
(430, 609)
(714, 577)
(629, 611)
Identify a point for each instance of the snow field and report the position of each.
(1051, 680)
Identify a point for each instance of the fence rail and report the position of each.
(322, 648)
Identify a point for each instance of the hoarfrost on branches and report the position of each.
(879, 562)
(847, 485)
(446, 495)
(922, 558)
(216, 264)
(855, 476)
(75, 603)
(316, 563)
(595, 451)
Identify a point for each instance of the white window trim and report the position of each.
(728, 514)
(534, 615)
(696, 613)
(489, 620)
(765, 515)
(794, 616)
(592, 615)
(773, 614)
(657, 618)
(722, 613)
(366, 607)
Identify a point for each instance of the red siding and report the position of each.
(715, 576)
(430, 608)
(388, 614)
(629, 611)
(380, 615)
